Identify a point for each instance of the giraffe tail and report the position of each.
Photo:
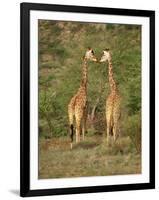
(71, 134)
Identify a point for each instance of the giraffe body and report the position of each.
(77, 107)
(113, 101)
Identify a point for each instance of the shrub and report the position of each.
(133, 130)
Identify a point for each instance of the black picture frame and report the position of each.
(25, 9)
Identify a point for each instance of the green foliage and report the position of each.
(61, 48)
(133, 130)
(46, 108)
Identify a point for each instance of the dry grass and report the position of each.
(91, 157)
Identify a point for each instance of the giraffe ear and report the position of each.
(92, 52)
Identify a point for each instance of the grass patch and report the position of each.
(91, 157)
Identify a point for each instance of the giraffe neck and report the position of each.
(112, 83)
(84, 74)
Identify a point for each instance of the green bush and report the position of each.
(133, 130)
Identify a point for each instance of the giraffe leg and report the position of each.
(108, 135)
(78, 128)
(109, 131)
(109, 124)
(114, 132)
(78, 117)
(71, 116)
(76, 133)
(84, 128)
(116, 129)
(109, 119)
(116, 118)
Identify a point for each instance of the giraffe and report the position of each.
(77, 107)
(113, 101)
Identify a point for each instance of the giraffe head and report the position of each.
(106, 56)
(89, 55)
